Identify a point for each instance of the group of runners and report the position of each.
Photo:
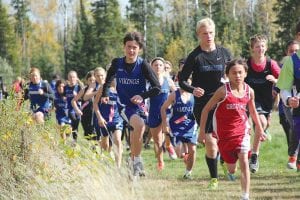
(209, 101)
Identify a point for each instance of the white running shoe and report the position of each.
(292, 162)
(172, 153)
(187, 175)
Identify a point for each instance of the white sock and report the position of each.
(245, 195)
(136, 159)
(188, 171)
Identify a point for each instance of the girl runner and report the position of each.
(154, 118)
(230, 121)
(182, 124)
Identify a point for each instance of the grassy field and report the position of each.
(34, 164)
(272, 181)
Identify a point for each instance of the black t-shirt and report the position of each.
(207, 70)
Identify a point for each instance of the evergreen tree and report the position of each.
(183, 17)
(74, 54)
(287, 18)
(22, 20)
(22, 27)
(82, 55)
(6, 72)
(8, 46)
(109, 30)
(145, 15)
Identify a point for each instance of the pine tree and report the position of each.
(144, 14)
(109, 30)
(287, 18)
(74, 54)
(22, 26)
(8, 46)
(82, 53)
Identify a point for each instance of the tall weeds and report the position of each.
(34, 164)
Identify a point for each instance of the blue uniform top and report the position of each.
(70, 92)
(130, 83)
(296, 63)
(154, 118)
(182, 122)
(40, 102)
(53, 84)
(60, 105)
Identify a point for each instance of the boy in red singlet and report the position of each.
(230, 121)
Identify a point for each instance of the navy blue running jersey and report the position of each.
(182, 122)
(60, 105)
(296, 63)
(70, 92)
(154, 118)
(130, 83)
(39, 102)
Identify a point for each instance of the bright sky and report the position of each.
(123, 4)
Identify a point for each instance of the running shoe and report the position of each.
(292, 162)
(231, 177)
(127, 147)
(138, 169)
(253, 163)
(268, 135)
(244, 198)
(187, 175)
(172, 153)
(213, 184)
(147, 146)
(160, 166)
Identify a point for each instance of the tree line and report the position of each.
(61, 35)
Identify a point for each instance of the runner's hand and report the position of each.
(198, 92)
(102, 122)
(165, 129)
(263, 137)
(201, 137)
(78, 112)
(136, 99)
(104, 100)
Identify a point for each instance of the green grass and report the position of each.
(272, 181)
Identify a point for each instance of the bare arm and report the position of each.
(90, 93)
(172, 85)
(101, 120)
(74, 102)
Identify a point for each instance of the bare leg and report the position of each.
(136, 136)
(118, 147)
